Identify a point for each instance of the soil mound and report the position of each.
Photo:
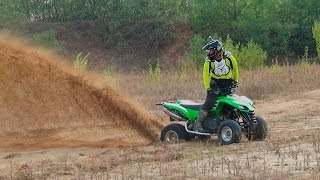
(44, 103)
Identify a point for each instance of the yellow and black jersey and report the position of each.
(226, 68)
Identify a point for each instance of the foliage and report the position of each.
(154, 71)
(147, 34)
(251, 56)
(316, 35)
(80, 63)
(281, 28)
(195, 53)
(47, 39)
(10, 12)
(228, 45)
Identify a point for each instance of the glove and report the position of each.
(235, 84)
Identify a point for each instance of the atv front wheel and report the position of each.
(174, 132)
(261, 130)
(229, 132)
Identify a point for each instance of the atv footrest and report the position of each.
(195, 132)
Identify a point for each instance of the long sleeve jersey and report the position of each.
(226, 68)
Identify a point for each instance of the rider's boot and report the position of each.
(198, 124)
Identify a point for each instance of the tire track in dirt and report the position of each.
(45, 103)
(293, 116)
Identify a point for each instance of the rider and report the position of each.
(220, 70)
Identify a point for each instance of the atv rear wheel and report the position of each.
(173, 133)
(229, 132)
(261, 130)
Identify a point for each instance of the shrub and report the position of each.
(316, 36)
(251, 56)
(47, 39)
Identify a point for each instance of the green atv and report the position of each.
(231, 117)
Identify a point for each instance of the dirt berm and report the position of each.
(44, 103)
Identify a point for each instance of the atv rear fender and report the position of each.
(185, 113)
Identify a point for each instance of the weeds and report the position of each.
(107, 72)
(304, 65)
(80, 63)
(155, 71)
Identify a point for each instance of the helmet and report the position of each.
(213, 44)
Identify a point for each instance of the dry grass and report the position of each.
(255, 84)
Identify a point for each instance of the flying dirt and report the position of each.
(44, 103)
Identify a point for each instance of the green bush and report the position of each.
(316, 35)
(251, 56)
(47, 39)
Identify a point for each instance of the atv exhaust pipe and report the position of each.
(174, 116)
(178, 118)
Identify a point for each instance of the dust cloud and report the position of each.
(45, 103)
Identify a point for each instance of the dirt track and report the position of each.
(56, 123)
(45, 103)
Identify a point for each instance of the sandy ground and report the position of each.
(290, 151)
(59, 124)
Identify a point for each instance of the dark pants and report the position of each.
(213, 94)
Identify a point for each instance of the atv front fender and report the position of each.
(240, 103)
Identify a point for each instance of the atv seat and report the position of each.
(191, 105)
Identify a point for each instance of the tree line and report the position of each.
(283, 28)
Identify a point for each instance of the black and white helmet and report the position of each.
(213, 44)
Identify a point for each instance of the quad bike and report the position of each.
(231, 117)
